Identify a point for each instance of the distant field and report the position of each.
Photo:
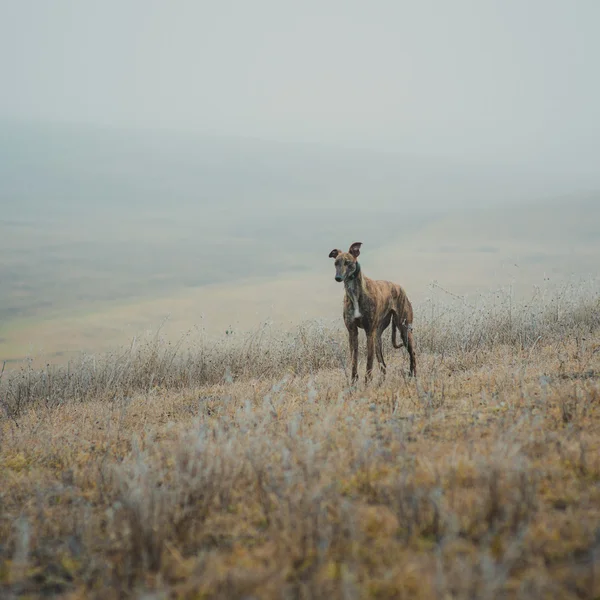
(105, 234)
(88, 285)
(97, 285)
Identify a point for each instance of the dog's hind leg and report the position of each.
(407, 339)
(371, 344)
(379, 354)
(383, 325)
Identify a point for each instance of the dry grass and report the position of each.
(250, 469)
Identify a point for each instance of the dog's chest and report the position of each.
(353, 301)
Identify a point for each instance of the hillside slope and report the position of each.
(251, 469)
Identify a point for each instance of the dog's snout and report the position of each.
(338, 278)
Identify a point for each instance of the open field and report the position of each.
(184, 414)
(105, 234)
(150, 447)
(66, 289)
(249, 468)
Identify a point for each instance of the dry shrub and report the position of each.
(453, 330)
(252, 469)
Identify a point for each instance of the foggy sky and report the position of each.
(510, 81)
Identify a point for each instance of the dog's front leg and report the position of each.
(353, 339)
(370, 355)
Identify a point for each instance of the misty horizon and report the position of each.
(474, 82)
(170, 159)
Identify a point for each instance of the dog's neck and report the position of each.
(353, 285)
(354, 275)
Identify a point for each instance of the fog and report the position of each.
(494, 82)
(200, 159)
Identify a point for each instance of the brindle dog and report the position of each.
(372, 305)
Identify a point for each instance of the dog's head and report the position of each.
(346, 264)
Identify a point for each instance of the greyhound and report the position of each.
(372, 305)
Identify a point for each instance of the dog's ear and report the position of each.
(334, 253)
(355, 249)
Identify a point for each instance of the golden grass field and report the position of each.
(248, 468)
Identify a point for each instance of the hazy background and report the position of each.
(199, 160)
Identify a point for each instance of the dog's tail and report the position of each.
(394, 329)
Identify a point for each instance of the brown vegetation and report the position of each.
(251, 469)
